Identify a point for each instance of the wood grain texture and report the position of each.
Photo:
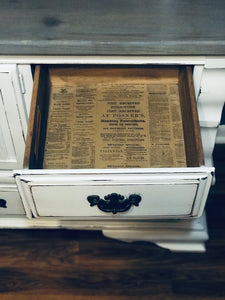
(64, 264)
(191, 126)
(115, 27)
(35, 139)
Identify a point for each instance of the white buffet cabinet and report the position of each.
(171, 210)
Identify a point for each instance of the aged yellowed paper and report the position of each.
(114, 123)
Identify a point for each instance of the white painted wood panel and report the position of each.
(13, 204)
(166, 193)
(7, 152)
(212, 97)
(157, 200)
(13, 121)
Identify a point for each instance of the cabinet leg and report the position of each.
(183, 236)
(175, 246)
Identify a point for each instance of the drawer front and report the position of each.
(10, 203)
(143, 196)
(69, 201)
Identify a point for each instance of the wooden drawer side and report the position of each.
(191, 127)
(35, 140)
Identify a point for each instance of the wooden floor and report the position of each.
(63, 264)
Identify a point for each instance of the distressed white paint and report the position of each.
(25, 74)
(171, 60)
(157, 200)
(220, 137)
(208, 135)
(13, 201)
(175, 239)
(7, 152)
(166, 193)
(12, 134)
(212, 97)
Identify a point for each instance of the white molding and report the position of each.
(186, 60)
(212, 97)
(208, 61)
(215, 62)
(197, 247)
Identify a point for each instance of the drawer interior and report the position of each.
(131, 83)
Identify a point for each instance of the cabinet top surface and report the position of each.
(115, 27)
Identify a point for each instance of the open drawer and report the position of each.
(113, 143)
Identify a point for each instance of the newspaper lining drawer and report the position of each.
(152, 77)
(167, 181)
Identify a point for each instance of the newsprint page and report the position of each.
(106, 118)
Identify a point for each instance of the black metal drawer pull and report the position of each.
(3, 203)
(114, 202)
